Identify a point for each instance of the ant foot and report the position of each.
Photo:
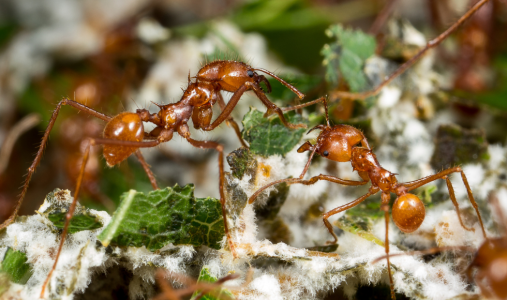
(332, 242)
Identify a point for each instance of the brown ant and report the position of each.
(124, 134)
(341, 143)
(490, 259)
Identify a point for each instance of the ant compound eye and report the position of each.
(325, 153)
(250, 73)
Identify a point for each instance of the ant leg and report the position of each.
(273, 108)
(443, 175)
(226, 111)
(147, 169)
(385, 207)
(307, 182)
(433, 250)
(230, 120)
(220, 149)
(295, 107)
(70, 213)
(373, 190)
(38, 156)
(431, 44)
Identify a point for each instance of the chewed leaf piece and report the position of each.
(55, 208)
(345, 58)
(15, 266)
(268, 136)
(171, 215)
(219, 293)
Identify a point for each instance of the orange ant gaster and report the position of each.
(341, 143)
(124, 134)
(490, 259)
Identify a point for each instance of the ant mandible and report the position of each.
(124, 134)
(340, 143)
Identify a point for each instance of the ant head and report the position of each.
(408, 212)
(336, 143)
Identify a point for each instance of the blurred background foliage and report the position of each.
(103, 53)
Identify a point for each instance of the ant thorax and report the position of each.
(364, 160)
(173, 115)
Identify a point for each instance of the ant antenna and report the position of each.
(327, 113)
(290, 87)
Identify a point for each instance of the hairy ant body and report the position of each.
(341, 143)
(124, 133)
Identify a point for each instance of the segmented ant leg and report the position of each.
(443, 175)
(372, 191)
(273, 108)
(38, 156)
(147, 169)
(231, 121)
(385, 207)
(307, 182)
(303, 105)
(226, 111)
(70, 213)
(220, 149)
(431, 44)
(433, 250)
(382, 17)
(455, 203)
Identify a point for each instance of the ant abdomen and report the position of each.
(126, 126)
(408, 212)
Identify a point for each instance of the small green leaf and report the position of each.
(346, 57)
(171, 215)
(79, 222)
(360, 226)
(15, 266)
(268, 136)
(219, 293)
(55, 208)
(241, 161)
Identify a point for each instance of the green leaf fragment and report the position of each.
(79, 222)
(346, 57)
(268, 136)
(56, 205)
(360, 226)
(171, 215)
(15, 266)
(219, 293)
